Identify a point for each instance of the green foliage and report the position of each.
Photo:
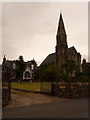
(65, 78)
(81, 77)
(20, 67)
(70, 66)
(36, 74)
(49, 73)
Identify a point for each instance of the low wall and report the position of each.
(5, 96)
(71, 90)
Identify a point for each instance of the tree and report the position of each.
(70, 67)
(49, 73)
(20, 67)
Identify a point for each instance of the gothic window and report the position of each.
(27, 73)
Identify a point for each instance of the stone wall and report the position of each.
(5, 96)
(71, 90)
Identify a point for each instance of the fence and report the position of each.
(46, 87)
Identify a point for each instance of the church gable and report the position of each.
(73, 54)
(72, 49)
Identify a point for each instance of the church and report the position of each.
(62, 52)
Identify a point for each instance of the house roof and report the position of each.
(9, 63)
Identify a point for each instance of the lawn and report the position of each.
(33, 86)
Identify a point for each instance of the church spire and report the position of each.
(61, 28)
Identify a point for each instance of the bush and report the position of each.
(49, 73)
(81, 78)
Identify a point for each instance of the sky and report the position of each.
(29, 28)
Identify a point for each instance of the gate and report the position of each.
(46, 87)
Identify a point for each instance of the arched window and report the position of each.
(27, 74)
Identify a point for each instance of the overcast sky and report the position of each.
(29, 29)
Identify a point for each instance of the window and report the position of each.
(32, 67)
(14, 66)
(27, 74)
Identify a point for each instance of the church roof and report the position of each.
(50, 59)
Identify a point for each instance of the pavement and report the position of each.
(20, 98)
(73, 108)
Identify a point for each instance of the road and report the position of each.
(74, 108)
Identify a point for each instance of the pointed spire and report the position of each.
(61, 28)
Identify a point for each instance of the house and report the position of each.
(28, 73)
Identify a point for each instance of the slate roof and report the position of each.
(50, 59)
(9, 63)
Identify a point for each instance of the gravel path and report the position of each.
(20, 98)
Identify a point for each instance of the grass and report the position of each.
(34, 86)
